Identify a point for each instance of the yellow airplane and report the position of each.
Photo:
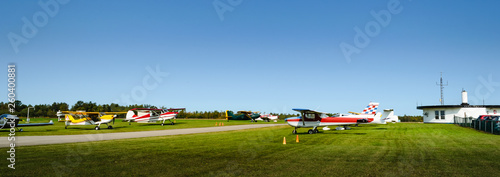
(85, 118)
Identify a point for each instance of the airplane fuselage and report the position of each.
(149, 118)
(327, 121)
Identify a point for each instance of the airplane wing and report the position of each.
(91, 113)
(307, 110)
(12, 119)
(244, 112)
(176, 109)
(304, 111)
(355, 113)
(146, 109)
(35, 124)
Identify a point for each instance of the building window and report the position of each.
(439, 114)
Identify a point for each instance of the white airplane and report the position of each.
(84, 119)
(11, 121)
(147, 115)
(267, 117)
(315, 119)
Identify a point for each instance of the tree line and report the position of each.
(407, 118)
(50, 110)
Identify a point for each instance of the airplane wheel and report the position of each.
(316, 131)
(66, 127)
(97, 128)
(310, 131)
(161, 124)
(294, 131)
(110, 127)
(171, 123)
(21, 130)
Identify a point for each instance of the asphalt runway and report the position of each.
(59, 139)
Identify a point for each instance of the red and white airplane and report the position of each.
(147, 115)
(315, 119)
(267, 117)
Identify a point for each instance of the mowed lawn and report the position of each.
(402, 149)
(119, 126)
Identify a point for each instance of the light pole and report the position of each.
(28, 118)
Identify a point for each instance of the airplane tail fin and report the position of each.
(229, 114)
(130, 115)
(371, 109)
(382, 118)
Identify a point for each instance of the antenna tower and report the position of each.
(441, 85)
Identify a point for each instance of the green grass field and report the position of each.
(403, 149)
(119, 126)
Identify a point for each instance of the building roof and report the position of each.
(459, 106)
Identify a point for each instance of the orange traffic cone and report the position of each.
(215, 123)
(284, 140)
(297, 140)
(222, 123)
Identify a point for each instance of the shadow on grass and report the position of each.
(157, 124)
(343, 132)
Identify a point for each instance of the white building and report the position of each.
(445, 113)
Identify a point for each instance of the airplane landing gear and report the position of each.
(97, 128)
(294, 131)
(162, 124)
(110, 127)
(171, 123)
(311, 131)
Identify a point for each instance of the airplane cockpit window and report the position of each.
(323, 115)
(310, 116)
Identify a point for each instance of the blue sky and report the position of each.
(268, 56)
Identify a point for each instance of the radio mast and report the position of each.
(441, 85)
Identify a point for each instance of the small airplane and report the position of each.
(148, 115)
(267, 117)
(6, 121)
(85, 118)
(242, 115)
(315, 119)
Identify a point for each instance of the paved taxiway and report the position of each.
(59, 139)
